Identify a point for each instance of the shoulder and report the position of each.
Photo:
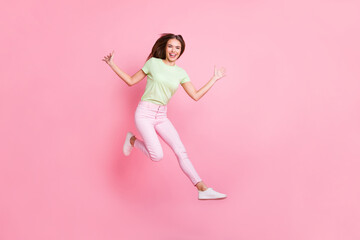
(183, 75)
(154, 59)
(150, 59)
(149, 62)
(180, 69)
(149, 65)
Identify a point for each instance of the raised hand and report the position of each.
(109, 58)
(219, 73)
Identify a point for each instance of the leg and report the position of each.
(150, 145)
(169, 134)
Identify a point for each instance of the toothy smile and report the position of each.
(172, 55)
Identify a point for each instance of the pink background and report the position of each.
(280, 134)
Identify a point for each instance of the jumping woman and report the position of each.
(163, 79)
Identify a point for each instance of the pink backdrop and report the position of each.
(280, 134)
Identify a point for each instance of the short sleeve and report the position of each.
(147, 65)
(185, 78)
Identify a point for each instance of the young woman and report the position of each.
(163, 79)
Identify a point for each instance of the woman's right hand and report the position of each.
(109, 58)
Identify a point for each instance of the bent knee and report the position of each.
(157, 157)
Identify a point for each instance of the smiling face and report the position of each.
(173, 49)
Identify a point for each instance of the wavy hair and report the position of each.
(159, 48)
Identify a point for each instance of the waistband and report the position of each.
(153, 105)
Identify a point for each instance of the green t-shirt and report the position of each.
(162, 80)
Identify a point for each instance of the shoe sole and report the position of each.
(212, 198)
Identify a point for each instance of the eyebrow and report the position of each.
(175, 46)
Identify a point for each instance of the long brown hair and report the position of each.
(159, 48)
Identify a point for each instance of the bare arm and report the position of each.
(129, 80)
(197, 94)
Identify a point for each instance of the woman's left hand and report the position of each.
(219, 73)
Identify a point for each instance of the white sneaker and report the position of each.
(210, 193)
(127, 145)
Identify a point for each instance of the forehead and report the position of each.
(174, 42)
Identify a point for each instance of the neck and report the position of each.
(166, 61)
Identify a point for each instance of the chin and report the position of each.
(172, 59)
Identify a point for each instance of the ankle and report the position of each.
(201, 186)
(132, 140)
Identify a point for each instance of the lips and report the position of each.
(172, 55)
